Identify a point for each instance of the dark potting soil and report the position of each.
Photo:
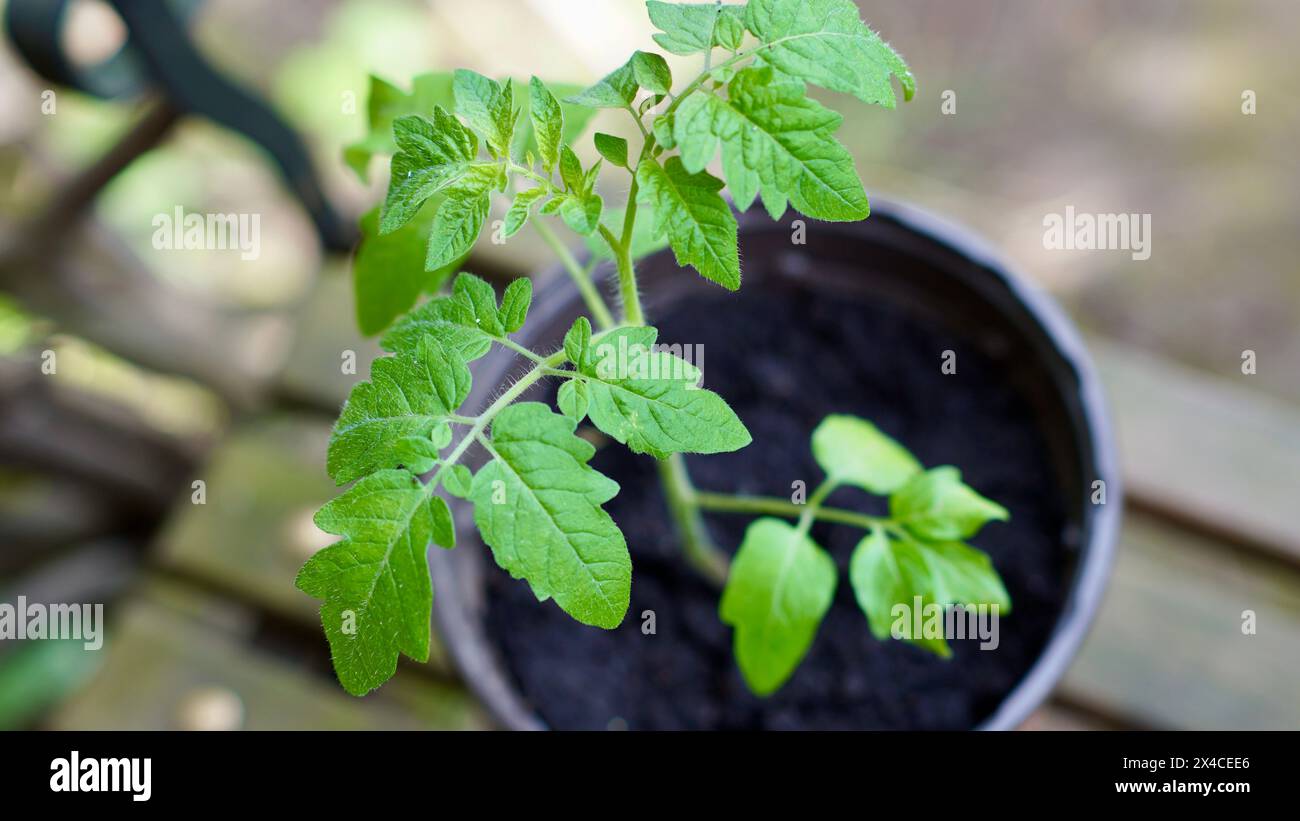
(782, 378)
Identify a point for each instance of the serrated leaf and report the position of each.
(538, 505)
(693, 28)
(780, 586)
(520, 209)
(417, 454)
(699, 224)
(548, 122)
(457, 480)
(582, 213)
(488, 107)
(461, 216)
(853, 451)
(651, 72)
(649, 400)
(577, 341)
(479, 299)
(887, 573)
(615, 90)
(514, 304)
(385, 103)
(573, 398)
(825, 42)
(571, 170)
(388, 270)
(613, 149)
(409, 394)
(375, 582)
(938, 506)
(775, 141)
(446, 319)
(433, 155)
(663, 131)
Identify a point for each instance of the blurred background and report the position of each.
(182, 366)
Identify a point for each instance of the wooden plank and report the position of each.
(1168, 647)
(178, 659)
(1204, 449)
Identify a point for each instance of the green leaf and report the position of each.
(448, 320)
(573, 399)
(488, 107)
(548, 123)
(388, 271)
(375, 582)
(780, 586)
(650, 401)
(615, 90)
(577, 342)
(479, 299)
(937, 505)
(581, 212)
(698, 222)
(692, 28)
(854, 451)
(417, 454)
(613, 149)
(575, 119)
(775, 141)
(571, 170)
(458, 481)
(514, 304)
(651, 72)
(538, 505)
(889, 573)
(409, 394)
(521, 208)
(460, 218)
(387, 102)
(825, 42)
(433, 155)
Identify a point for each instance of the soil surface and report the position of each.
(872, 360)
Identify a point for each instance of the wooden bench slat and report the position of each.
(1168, 646)
(1205, 449)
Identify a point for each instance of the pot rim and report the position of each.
(1092, 427)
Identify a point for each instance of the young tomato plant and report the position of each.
(458, 142)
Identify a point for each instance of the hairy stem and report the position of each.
(679, 493)
(627, 290)
(581, 278)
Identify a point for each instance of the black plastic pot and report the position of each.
(898, 254)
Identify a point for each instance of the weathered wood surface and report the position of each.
(181, 659)
(1168, 649)
(1205, 449)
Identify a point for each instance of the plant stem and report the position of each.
(599, 311)
(699, 548)
(484, 419)
(757, 505)
(632, 314)
(506, 342)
